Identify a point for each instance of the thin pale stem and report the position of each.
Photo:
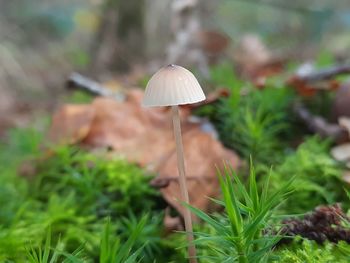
(183, 185)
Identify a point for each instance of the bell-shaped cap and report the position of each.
(172, 85)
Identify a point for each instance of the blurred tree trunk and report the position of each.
(132, 30)
(119, 41)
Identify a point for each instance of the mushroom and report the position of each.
(171, 86)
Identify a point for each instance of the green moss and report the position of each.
(257, 123)
(72, 192)
(311, 252)
(317, 176)
(243, 232)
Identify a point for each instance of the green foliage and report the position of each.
(243, 232)
(317, 176)
(113, 251)
(111, 248)
(223, 76)
(257, 123)
(251, 121)
(72, 192)
(102, 187)
(311, 252)
(19, 145)
(52, 255)
(150, 234)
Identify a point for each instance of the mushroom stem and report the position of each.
(182, 181)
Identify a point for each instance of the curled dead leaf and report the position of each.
(202, 155)
(71, 124)
(144, 136)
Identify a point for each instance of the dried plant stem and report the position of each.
(182, 181)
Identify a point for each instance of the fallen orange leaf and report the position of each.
(145, 136)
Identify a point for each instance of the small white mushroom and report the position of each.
(172, 86)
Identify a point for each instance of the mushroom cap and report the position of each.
(172, 85)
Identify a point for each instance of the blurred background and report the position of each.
(82, 162)
(43, 42)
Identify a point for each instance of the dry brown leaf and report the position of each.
(202, 155)
(145, 136)
(71, 123)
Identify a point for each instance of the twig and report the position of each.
(325, 74)
(79, 81)
(319, 125)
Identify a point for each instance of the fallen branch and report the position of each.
(78, 81)
(319, 125)
(325, 74)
